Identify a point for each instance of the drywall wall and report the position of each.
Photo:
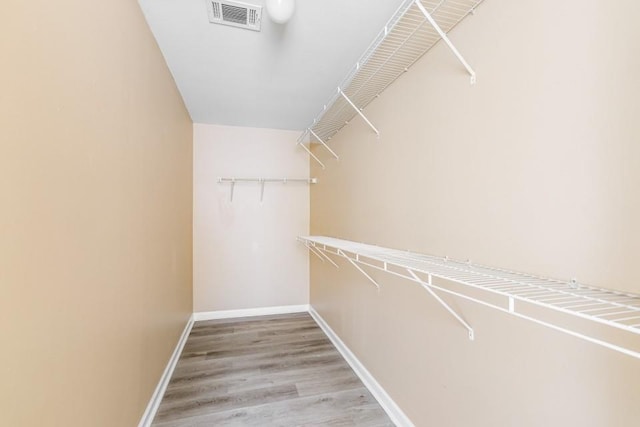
(536, 169)
(95, 213)
(245, 251)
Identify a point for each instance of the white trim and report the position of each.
(390, 407)
(249, 312)
(156, 398)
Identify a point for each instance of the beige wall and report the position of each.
(536, 169)
(95, 213)
(245, 251)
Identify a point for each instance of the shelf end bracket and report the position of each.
(324, 144)
(442, 303)
(358, 268)
(445, 38)
(317, 252)
(311, 154)
(326, 257)
(359, 112)
(313, 251)
(302, 135)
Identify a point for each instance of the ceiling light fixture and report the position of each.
(280, 11)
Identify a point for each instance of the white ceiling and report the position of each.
(277, 78)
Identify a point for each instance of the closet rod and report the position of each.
(283, 180)
(262, 181)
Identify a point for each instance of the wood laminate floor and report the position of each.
(265, 371)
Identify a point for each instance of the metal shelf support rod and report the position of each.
(427, 287)
(324, 144)
(311, 154)
(326, 257)
(444, 37)
(313, 251)
(358, 268)
(302, 135)
(359, 112)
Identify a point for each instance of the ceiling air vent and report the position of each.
(234, 13)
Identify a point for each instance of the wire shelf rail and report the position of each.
(413, 30)
(515, 291)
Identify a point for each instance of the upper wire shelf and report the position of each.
(415, 28)
(510, 292)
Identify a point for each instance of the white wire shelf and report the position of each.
(510, 292)
(262, 181)
(414, 29)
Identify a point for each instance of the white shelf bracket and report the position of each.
(303, 134)
(327, 257)
(231, 187)
(359, 269)
(317, 252)
(324, 144)
(359, 112)
(261, 190)
(427, 286)
(308, 245)
(313, 251)
(444, 37)
(311, 154)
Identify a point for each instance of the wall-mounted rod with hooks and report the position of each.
(262, 182)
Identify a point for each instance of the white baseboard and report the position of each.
(390, 407)
(156, 398)
(249, 312)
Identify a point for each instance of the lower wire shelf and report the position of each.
(503, 290)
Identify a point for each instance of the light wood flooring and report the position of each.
(265, 371)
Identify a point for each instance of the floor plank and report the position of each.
(276, 370)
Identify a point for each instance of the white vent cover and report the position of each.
(234, 13)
